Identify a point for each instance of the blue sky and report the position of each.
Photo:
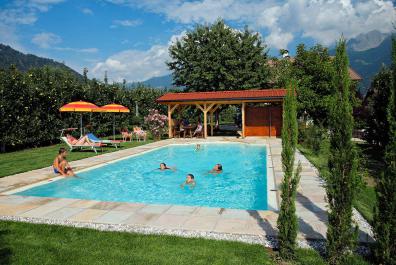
(130, 38)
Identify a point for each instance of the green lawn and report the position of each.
(34, 158)
(366, 198)
(23, 243)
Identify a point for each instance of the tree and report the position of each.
(287, 220)
(385, 214)
(376, 103)
(314, 70)
(217, 57)
(342, 180)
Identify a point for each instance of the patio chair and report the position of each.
(125, 135)
(73, 143)
(94, 139)
(199, 131)
(140, 134)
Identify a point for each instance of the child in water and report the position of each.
(163, 167)
(197, 147)
(217, 169)
(189, 181)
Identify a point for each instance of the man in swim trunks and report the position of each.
(217, 169)
(61, 166)
(189, 181)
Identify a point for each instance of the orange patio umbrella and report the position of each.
(113, 108)
(79, 106)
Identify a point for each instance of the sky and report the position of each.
(129, 39)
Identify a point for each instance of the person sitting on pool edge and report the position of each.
(189, 181)
(217, 169)
(163, 167)
(61, 166)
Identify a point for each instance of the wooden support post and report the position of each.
(170, 111)
(170, 133)
(243, 119)
(205, 121)
(211, 123)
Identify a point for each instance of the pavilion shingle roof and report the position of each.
(256, 94)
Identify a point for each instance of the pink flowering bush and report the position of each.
(156, 122)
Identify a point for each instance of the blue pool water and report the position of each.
(242, 185)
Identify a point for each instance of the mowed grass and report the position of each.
(47, 244)
(366, 198)
(24, 243)
(34, 158)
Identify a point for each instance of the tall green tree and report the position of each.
(385, 214)
(314, 70)
(342, 180)
(375, 109)
(217, 57)
(287, 221)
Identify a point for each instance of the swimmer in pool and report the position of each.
(197, 147)
(189, 181)
(163, 167)
(217, 169)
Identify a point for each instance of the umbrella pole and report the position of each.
(81, 132)
(113, 126)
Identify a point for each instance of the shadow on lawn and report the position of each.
(5, 251)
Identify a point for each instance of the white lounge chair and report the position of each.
(92, 146)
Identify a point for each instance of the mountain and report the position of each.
(160, 81)
(367, 41)
(367, 54)
(164, 81)
(24, 62)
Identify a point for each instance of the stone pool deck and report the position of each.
(218, 223)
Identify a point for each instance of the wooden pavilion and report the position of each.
(261, 109)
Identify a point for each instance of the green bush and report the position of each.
(30, 102)
(313, 137)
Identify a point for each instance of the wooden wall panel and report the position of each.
(263, 121)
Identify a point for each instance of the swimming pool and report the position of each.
(242, 185)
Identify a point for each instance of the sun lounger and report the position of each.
(92, 146)
(95, 139)
(139, 133)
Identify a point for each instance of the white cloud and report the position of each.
(20, 12)
(81, 50)
(126, 23)
(134, 65)
(87, 11)
(137, 65)
(324, 21)
(46, 40)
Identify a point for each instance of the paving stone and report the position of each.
(88, 215)
(113, 217)
(154, 208)
(105, 205)
(181, 210)
(63, 213)
(40, 211)
(142, 218)
(9, 209)
(169, 221)
(201, 223)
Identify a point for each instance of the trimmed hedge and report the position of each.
(30, 102)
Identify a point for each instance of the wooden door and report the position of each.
(263, 121)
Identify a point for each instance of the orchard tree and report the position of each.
(217, 57)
